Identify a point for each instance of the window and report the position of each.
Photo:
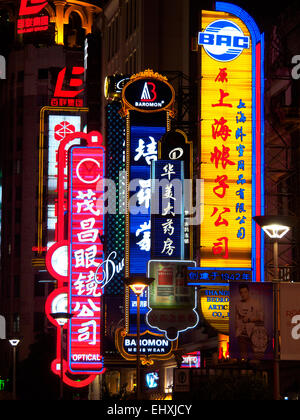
(43, 74)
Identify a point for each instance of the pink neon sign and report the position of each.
(86, 226)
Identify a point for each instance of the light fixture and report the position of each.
(14, 342)
(61, 317)
(138, 284)
(276, 227)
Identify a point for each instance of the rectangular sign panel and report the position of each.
(167, 220)
(251, 321)
(198, 276)
(231, 139)
(86, 225)
(290, 321)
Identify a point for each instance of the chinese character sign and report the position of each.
(168, 216)
(230, 132)
(86, 226)
(143, 147)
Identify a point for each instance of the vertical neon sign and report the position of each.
(86, 226)
(231, 139)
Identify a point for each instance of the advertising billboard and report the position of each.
(289, 300)
(251, 325)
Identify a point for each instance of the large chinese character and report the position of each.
(88, 203)
(222, 156)
(221, 180)
(220, 220)
(168, 247)
(223, 95)
(222, 76)
(87, 334)
(168, 227)
(168, 171)
(144, 194)
(145, 243)
(86, 257)
(220, 129)
(86, 285)
(89, 234)
(149, 152)
(221, 247)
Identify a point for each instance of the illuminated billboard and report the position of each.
(32, 16)
(231, 139)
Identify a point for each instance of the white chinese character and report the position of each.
(151, 152)
(168, 192)
(84, 334)
(168, 247)
(168, 210)
(87, 284)
(86, 311)
(145, 243)
(144, 194)
(168, 227)
(168, 170)
(86, 257)
(87, 203)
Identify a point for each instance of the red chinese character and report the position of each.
(220, 220)
(220, 129)
(222, 76)
(223, 95)
(222, 156)
(221, 180)
(221, 247)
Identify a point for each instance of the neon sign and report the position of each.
(86, 225)
(74, 258)
(68, 97)
(31, 21)
(232, 140)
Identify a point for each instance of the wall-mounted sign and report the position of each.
(76, 255)
(66, 93)
(232, 142)
(167, 208)
(32, 16)
(144, 129)
(191, 360)
(148, 94)
(174, 145)
(251, 321)
(172, 303)
(289, 321)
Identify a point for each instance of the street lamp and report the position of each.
(138, 285)
(276, 227)
(61, 318)
(14, 342)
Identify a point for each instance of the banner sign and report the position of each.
(167, 208)
(289, 321)
(251, 321)
(232, 63)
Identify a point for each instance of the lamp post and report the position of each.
(14, 342)
(276, 227)
(138, 285)
(61, 318)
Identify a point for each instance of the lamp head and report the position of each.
(275, 226)
(61, 317)
(138, 284)
(14, 342)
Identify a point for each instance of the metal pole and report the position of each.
(276, 332)
(138, 373)
(14, 373)
(61, 390)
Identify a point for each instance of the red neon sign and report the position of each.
(31, 7)
(86, 226)
(83, 291)
(68, 97)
